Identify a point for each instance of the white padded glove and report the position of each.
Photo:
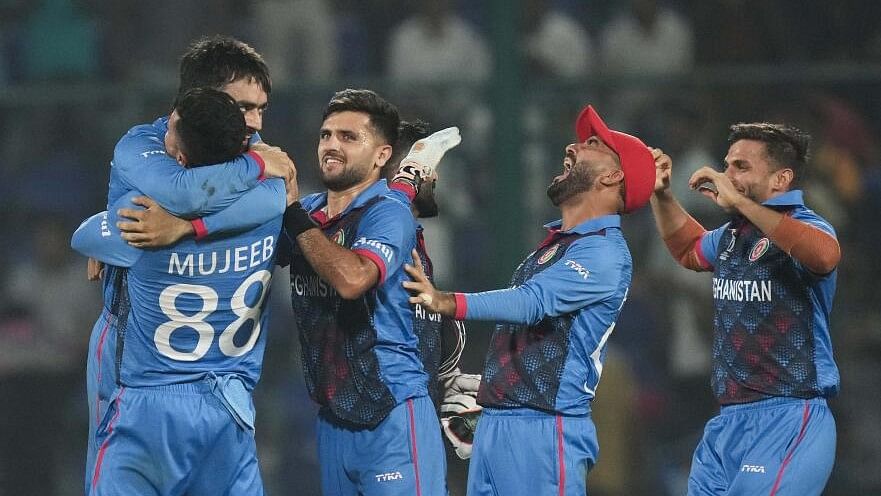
(460, 411)
(422, 161)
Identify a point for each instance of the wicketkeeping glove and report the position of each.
(425, 155)
(460, 411)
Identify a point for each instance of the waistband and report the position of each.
(528, 412)
(770, 403)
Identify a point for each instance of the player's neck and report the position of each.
(582, 208)
(337, 201)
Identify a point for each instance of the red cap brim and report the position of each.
(636, 159)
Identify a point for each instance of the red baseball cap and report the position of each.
(636, 159)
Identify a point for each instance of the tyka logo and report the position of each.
(389, 476)
(755, 469)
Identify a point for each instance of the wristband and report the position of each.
(296, 220)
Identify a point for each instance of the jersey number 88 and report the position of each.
(196, 321)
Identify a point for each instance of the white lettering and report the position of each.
(105, 226)
(389, 476)
(383, 249)
(737, 290)
(577, 267)
(239, 259)
(756, 469)
(175, 265)
(311, 286)
(422, 314)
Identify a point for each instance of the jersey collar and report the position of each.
(319, 200)
(791, 198)
(588, 226)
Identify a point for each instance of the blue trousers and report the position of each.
(402, 455)
(773, 447)
(178, 439)
(526, 452)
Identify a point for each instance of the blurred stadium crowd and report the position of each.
(76, 74)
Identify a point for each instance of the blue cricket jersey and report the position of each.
(141, 163)
(141, 166)
(548, 351)
(189, 309)
(360, 356)
(771, 314)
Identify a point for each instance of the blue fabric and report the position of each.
(383, 461)
(789, 321)
(140, 163)
(169, 441)
(387, 230)
(750, 449)
(517, 452)
(256, 207)
(583, 290)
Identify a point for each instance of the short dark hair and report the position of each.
(211, 128)
(384, 117)
(409, 132)
(215, 61)
(786, 146)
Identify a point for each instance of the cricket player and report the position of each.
(774, 270)
(377, 427)
(535, 434)
(183, 326)
(412, 172)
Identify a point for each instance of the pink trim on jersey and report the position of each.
(98, 352)
(413, 443)
(804, 427)
(260, 163)
(199, 227)
(560, 455)
(103, 449)
(461, 306)
(699, 250)
(376, 259)
(405, 188)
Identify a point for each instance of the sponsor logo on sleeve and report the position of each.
(382, 248)
(577, 267)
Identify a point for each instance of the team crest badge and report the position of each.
(759, 249)
(548, 254)
(339, 237)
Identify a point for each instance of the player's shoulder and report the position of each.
(311, 200)
(390, 204)
(149, 135)
(805, 214)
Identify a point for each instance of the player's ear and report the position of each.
(385, 153)
(612, 177)
(783, 179)
(181, 158)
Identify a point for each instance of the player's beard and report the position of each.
(577, 181)
(350, 176)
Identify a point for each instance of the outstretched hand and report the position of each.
(151, 227)
(424, 293)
